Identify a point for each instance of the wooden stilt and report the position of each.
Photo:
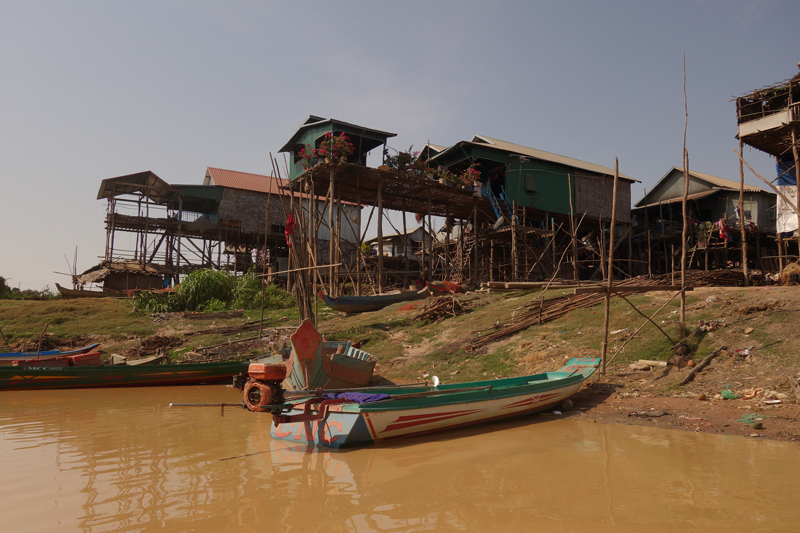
(741, 218)
(380, 237)
(609, 280)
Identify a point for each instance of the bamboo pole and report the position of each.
(430, 228)
(380, 237)
(741, 218)
(475, 237)
(610, 282)
(573, 236)
(405, 246)
(796, 179)
(331, 225)
(685, 228)
(684, 232)
(359, 252)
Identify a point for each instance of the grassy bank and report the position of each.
(410, 350)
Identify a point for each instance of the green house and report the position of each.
(540, 181)
(312, 133)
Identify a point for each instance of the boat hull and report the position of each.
(44, 354)
(80, 293)
(70, 377)
(362, 304)
(353, 424)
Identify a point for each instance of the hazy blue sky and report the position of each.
(96, 89)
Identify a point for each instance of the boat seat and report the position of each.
(359, 354)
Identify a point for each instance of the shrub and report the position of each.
(215, 290)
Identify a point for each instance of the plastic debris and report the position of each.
(728, 394)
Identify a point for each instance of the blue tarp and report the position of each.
(358, 397)
(785, 176)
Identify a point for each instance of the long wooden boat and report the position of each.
(82, 293)
(375, 414)
(72, 377)
(81, 359)
(314, 363)
(9, 356)
(361, 304)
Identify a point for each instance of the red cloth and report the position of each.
(289, 230)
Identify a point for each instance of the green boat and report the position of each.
(87, 377)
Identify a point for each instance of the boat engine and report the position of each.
(262, 391)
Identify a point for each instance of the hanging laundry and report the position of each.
(289, 229)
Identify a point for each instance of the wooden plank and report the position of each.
(629, 288)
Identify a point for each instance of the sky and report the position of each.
(96, 89)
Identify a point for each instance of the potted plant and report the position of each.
(308, 157)
(471, 176)
(335, 147)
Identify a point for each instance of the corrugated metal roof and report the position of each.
(244, 181)
(314, 120)
(676, 200)
(722, 182)
(146, 183)
(546, 156)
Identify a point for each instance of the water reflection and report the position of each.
(121, 460)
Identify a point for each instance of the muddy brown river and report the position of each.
(121, 460)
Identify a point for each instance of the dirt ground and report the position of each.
(607, 403)
(757, 326)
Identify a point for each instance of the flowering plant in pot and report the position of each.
(445, 176)
(470, 176)
(334, 146)
(403, 161)
(308, 157)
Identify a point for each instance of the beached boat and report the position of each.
(348, 418)
(81, 359)
(72, 377)
(361, 304)
(82, 293)
(7, 357)
(314, 363)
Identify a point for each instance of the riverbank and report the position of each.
(753, 331)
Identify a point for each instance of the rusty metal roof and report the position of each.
(244, 181)
(146, 183)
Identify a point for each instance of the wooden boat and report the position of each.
(73, 377)
(314, 363)
(81, 293)
(81, 359)
(7, 357)
(349, 418)
(361, 304)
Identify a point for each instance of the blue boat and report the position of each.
(361, 304)
(350, 418)
(7, 357)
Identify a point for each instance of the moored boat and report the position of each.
(349, 418)
(362, 304)
(82, 293)
(70, 377)
(7, 357)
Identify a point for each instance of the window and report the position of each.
(530, 183)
